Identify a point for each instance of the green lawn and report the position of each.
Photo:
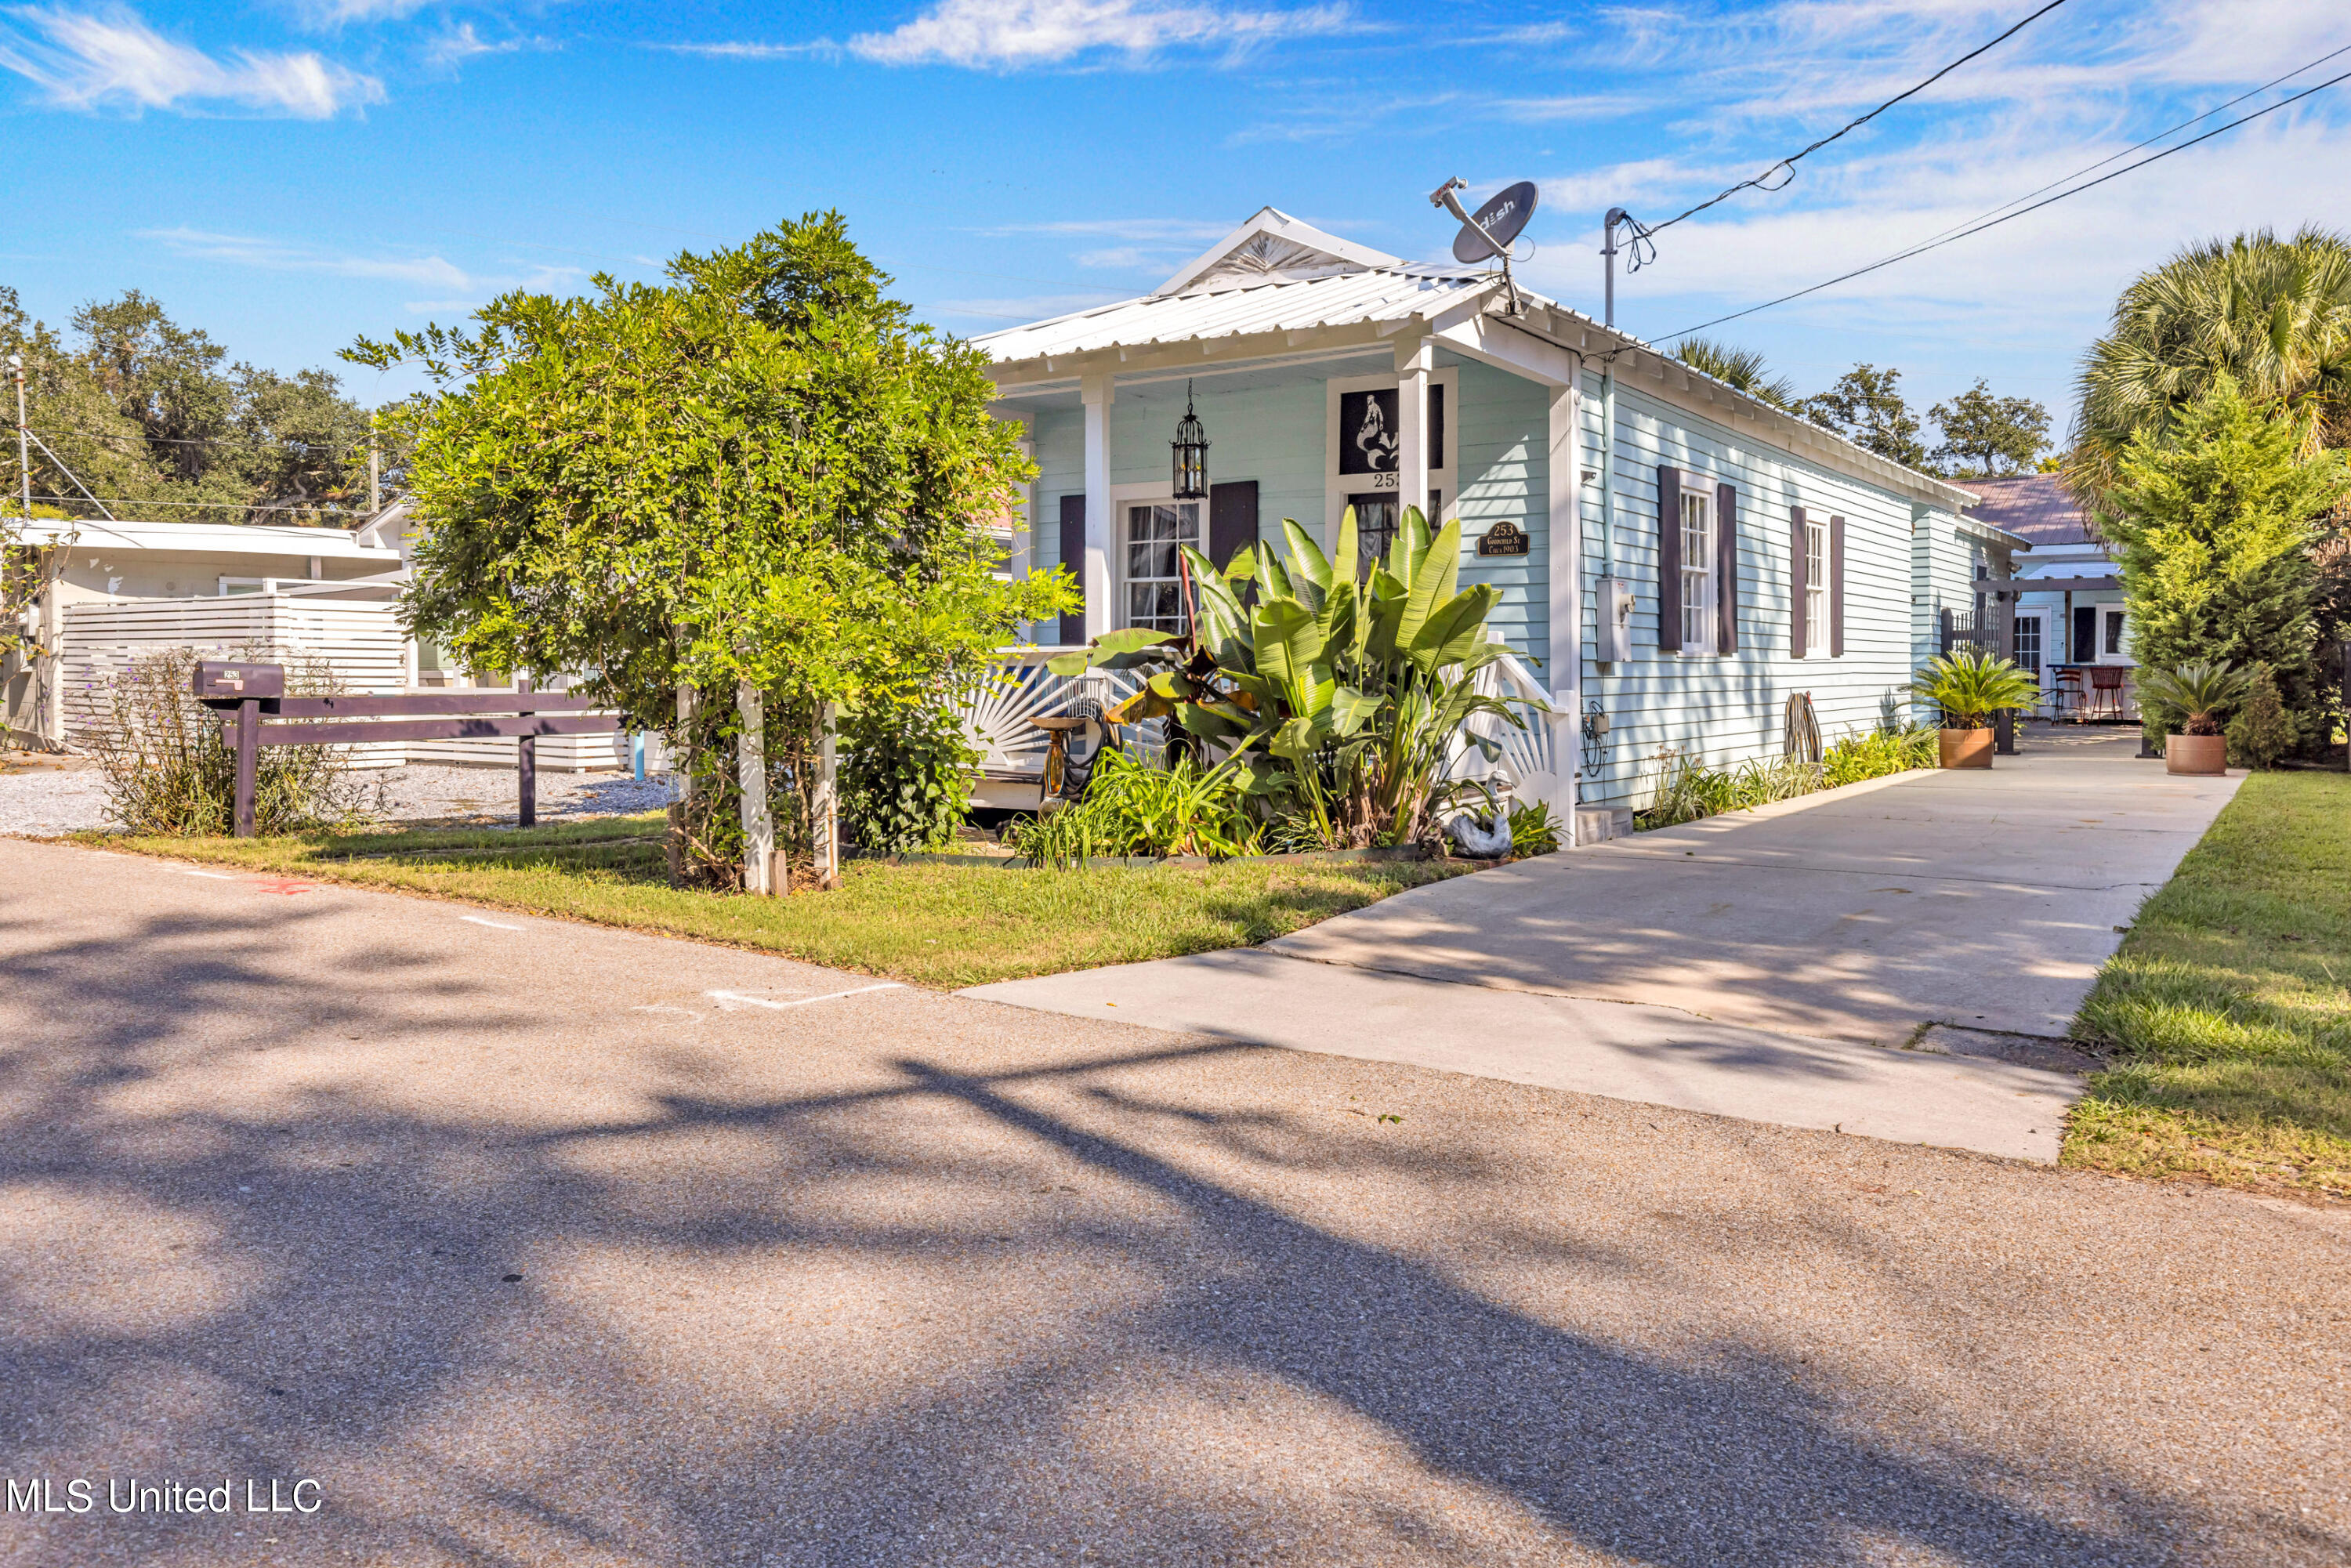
(2226, 1010)
(934, 925)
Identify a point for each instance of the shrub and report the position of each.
(1533, 830)
(905, 780)
(168, 772)
(2193, 694)
(1874, 753)
(2262, 730)
(1687, 790)
(1132, 808)
(1970, 685)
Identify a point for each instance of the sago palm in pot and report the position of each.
(2198, 692)
(1970, 685)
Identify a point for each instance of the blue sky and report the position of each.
(290, 173)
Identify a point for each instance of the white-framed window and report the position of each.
(1816, 585)
(1152, 591)
(1697, 571)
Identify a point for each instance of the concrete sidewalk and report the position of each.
(1754, 965)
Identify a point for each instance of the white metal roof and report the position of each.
(203, 538)
(1277, 305)
(1275, 274)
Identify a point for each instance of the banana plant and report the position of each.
(1342, 692)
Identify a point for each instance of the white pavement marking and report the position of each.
(494, 924)
(729, 1001)
(213, 875)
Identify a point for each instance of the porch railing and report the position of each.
(1528, 764)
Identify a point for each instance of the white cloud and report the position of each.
(1004, 34)
(462, 289)
(339, 12)
(89, 60)
(462, 43)
(751, 51)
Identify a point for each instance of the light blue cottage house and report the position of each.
(1676, 558)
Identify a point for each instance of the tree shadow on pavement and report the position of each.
(965, 1305)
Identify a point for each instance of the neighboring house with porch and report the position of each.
(2069, 614)
(1676, 558)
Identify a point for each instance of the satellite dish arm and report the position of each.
(1443, 196)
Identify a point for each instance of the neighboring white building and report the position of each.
(2076, 619)
(1754, 555)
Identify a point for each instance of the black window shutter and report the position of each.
(1726, 572)
(1073, 556)
(1232, 519)
(1837, 588)
(1669, 559)
(1798, 561)
(1435, 432)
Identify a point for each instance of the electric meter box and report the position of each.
(1615, 620)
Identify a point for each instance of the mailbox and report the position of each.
(222, 684)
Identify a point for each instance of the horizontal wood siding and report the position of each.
(1502, 432)
(1726, 708)
(1272, 434)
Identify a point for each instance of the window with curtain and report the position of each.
(1698, 572)
(1816, 585)
(1155, 586)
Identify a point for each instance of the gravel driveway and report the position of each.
(43, 801)
(536, 1243)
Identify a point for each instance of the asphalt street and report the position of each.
(526, 1242)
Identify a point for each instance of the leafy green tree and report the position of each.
(2211, 524)
(761, 472)
(1866, 407)
(147, 414)
(2273, 316)
(1743, 369)
(2262, 731)
(1986, 436)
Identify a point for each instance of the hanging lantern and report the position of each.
(1191, 446)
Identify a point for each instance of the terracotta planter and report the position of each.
(1966, 747)
(2204, 754)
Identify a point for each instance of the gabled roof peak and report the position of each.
(1272, 247)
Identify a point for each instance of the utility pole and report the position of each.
(1616, 215)
(24, 459)
(375, 488)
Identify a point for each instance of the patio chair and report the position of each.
(2105, 691)
(2064, 691)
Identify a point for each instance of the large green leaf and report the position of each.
(1309, 567)
(1351, 709)
(1432, 583)
(1455, 630)
(1120, 650)
(1291, 646)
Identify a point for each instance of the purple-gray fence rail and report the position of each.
(248, 694)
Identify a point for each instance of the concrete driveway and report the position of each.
(1757, 965)
(525, 1242)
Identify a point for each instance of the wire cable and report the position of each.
(2137, 146)
(1977, 228)
(1789, 163)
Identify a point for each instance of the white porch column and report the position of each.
(1098, 392)
(1563, 662)
(1414, 361)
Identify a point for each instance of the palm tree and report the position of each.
(2275, 314)
(1741, 370)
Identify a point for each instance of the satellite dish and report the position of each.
(1502, 218)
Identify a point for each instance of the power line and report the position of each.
(1789, 163)
(1977, 228)
(207, 506)
(2195, 119)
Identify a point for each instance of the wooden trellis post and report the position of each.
(826, 828)
(751, 774)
